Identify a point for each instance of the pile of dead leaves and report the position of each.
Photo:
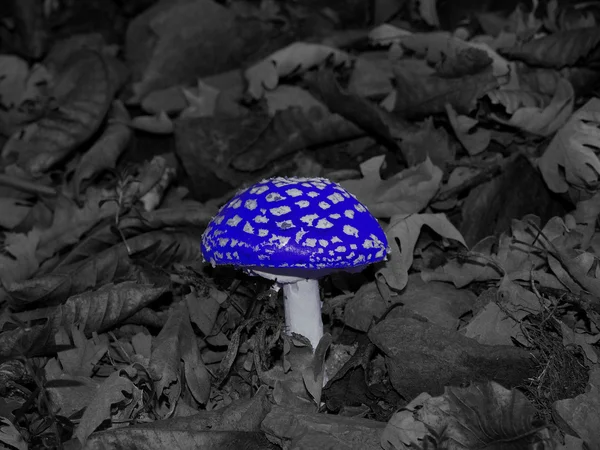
(474, 142)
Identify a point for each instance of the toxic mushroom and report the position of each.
(295, 231)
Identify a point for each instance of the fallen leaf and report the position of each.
(451, 57)
(202, 102)
(18, 260)
(581, 412)
(482, 414)
(560, 49)
(117, 388)
(96, 311)
(404, 193)
(473, 138)
(203, 309)
(570, 158)
(404, 430)
(81, 360)
(71, 221)
(103, 268)
(14, 210)
(545, 120)
(403, 233)
(174, 343)
(10, 436)
(425, 141)
(585, 341)
(284, 96)
(294, 59)
(106, 150)
(372, 75)
(84, 93)
(419, 96)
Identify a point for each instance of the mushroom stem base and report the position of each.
(302, 304)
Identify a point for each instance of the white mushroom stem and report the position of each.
(302, 304)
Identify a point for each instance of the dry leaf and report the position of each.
(570, 159)
(80, 360)
(482, 414)
(291, 60)
(160, 123)
(116, 389)
(104, 267)
(419, 96)
(405, 229)
(84, 93)
(14, 210)
(18, 260)
(96, 311)
(474, 142)
(581, 413)
(404, 193)
(451, 57)
(71, 221)
(565, 48)
(106, 150)
(201, 102)
(544, 120)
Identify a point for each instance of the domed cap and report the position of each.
(303, 223)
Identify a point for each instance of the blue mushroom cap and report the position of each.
(294, 223)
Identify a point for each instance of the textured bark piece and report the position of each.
(318, 431)
(424, 357)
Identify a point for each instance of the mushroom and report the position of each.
(295, 231)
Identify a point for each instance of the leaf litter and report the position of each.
(114, 331)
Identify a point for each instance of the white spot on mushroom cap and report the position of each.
(236, 203)
(274, 197)
(280, 210)
(285, 224)
(300, 234)
(263, 233)
(279, 241)
(312, 194)
(324, 205)
(248, 228)
(335, 198)
(250, 204)
(293, 192)
(324, 224)
(350, 230)
(349, 214)
(303, 203)
(259, 189)
(309, 219)
(310, 242)
(234, 221)
(260, 219)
